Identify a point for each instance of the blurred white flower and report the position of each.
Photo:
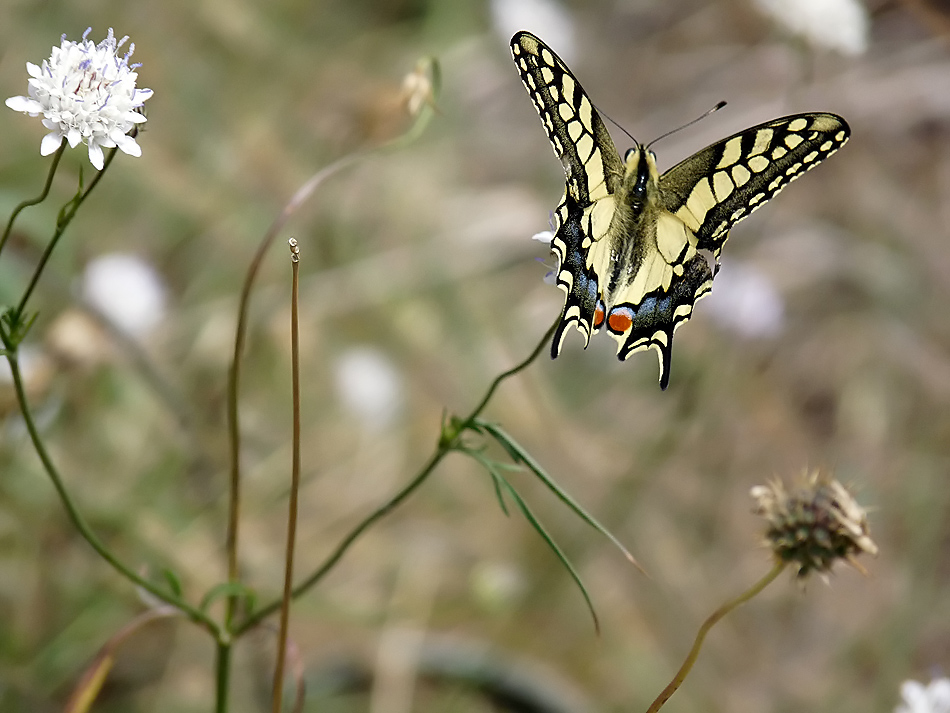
(33, 364)
(547, 19)
(85, 93)
(497, 586)
(745, 301)
(546, 236)
(918, 698)
(369, 386)
(127, 290)
(839, 25)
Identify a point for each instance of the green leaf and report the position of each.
(228, 589)
(494, 471)
(539, 528)
(520, 455)
(173, 582)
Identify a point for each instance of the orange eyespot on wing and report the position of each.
(620, 320)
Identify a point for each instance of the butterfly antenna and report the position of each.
(635, 142)
(702, 116)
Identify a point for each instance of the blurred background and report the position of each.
(825, 343)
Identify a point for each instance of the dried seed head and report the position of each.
(816, 524)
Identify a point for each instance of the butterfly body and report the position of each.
(635, 247)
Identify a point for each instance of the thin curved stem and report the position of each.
(66, 216)
(79, 522)
(378, 514)
(240, 336)
(704, 629)
(476, 412)
(34, 201)
(234, 373)
(444, 447)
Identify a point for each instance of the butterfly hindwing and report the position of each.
(717, 187)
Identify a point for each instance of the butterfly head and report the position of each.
(640, 175)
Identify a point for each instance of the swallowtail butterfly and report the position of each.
(627, 239)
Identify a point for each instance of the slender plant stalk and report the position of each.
(444, 447)
(33, 201)
(62, 223)
(79, 522)
(704, 629)
(222, 669)
(240, 335)
(294, 484)
(476, 412)
(234, 374)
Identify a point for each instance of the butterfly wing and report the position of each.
(592, 167)
(716, 188)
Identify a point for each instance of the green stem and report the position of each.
(222, 667)
(80, 524)
(341, 549)
(704, 629)
(444, 447)
(39, 199)
(64, 220)
(476, 412)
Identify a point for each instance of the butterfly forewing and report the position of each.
(714, 189)
(579, 137)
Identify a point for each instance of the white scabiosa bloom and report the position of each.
(838, 25)
(126, 289)
(918, 698)
(86, 93)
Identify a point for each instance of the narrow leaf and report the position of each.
(226, 589)
(539, 528)
(520, 455)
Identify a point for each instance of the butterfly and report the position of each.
(636, 249)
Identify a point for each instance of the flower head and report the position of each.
(918, 698)
(816, 524)
(86, 93)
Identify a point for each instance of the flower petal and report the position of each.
(128, 145)
(50, 143)
(95, 155)
(25, 104)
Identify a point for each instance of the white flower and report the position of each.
(839, 25)
(546, 236)
(744, 301)
(548, 19)
(918, 698)
(369, 387)
(127, 290)
(86, 93)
